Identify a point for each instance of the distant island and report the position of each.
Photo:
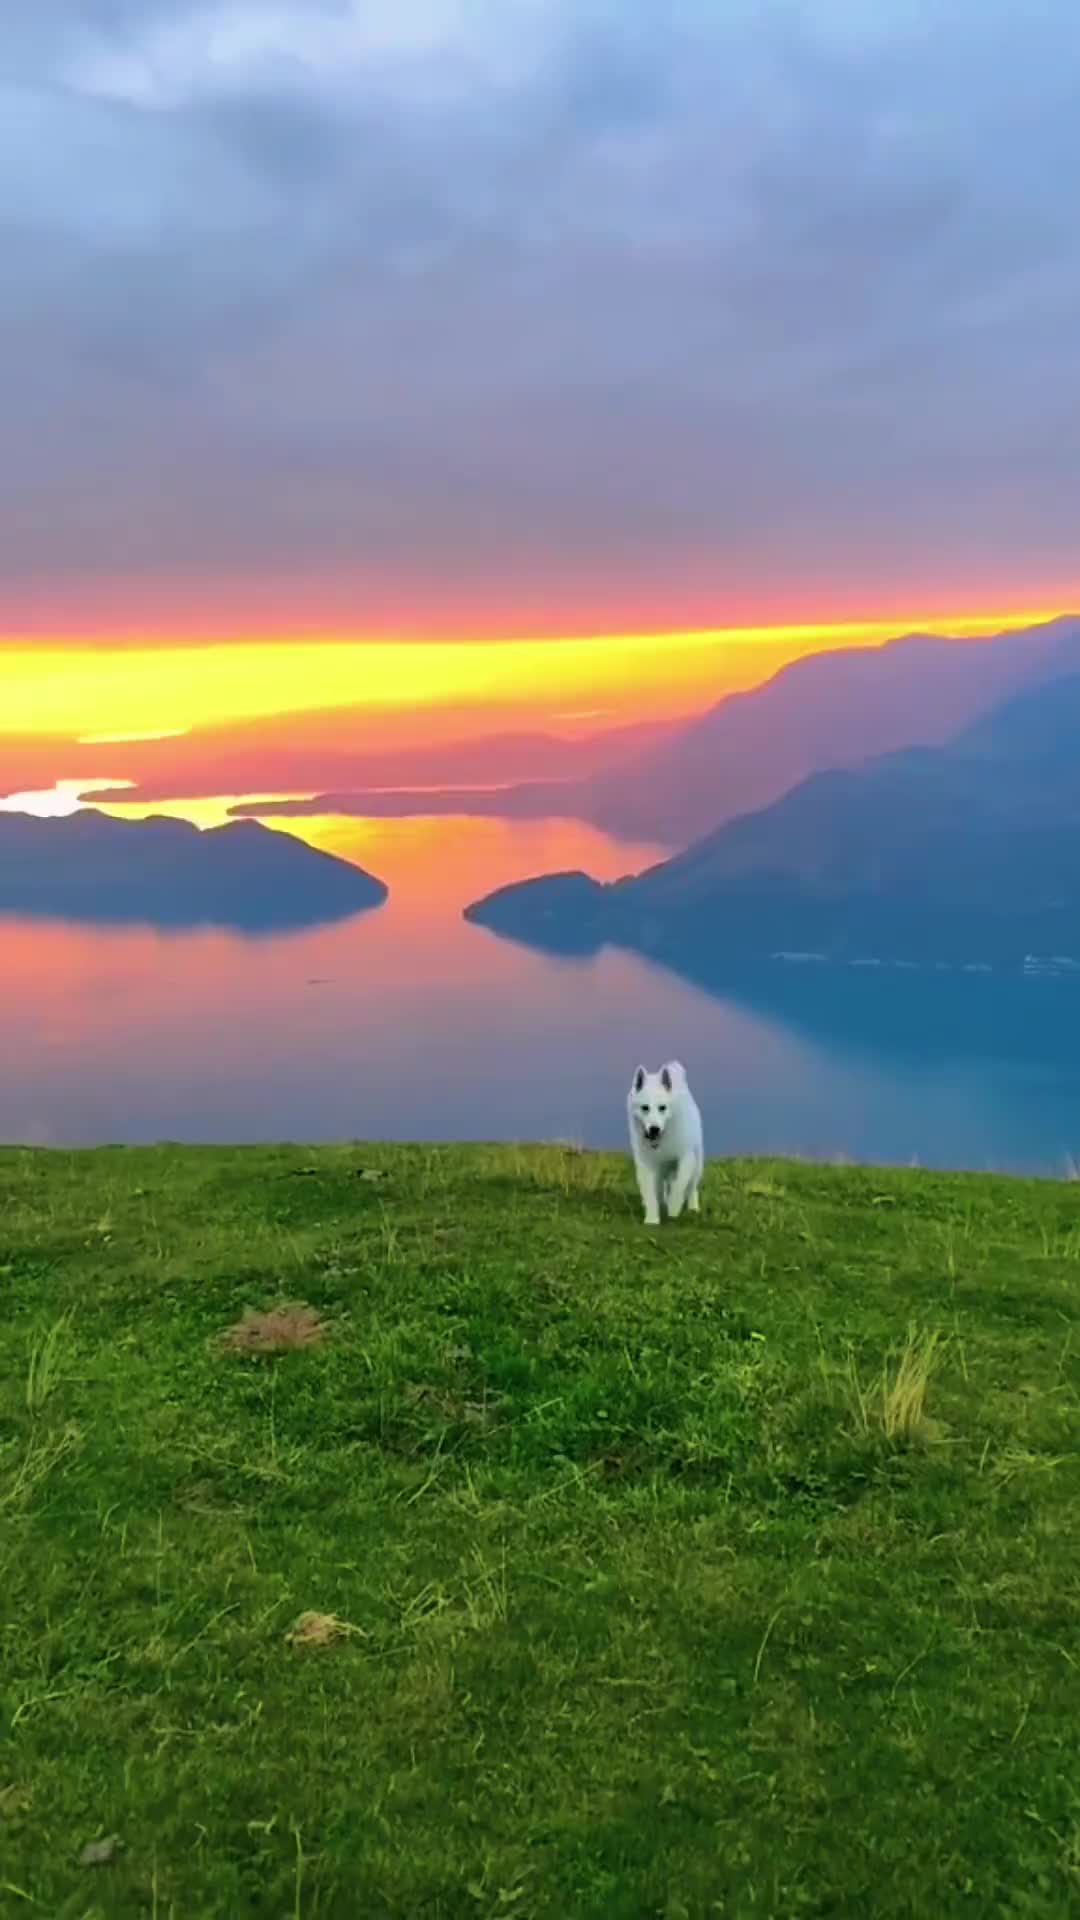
(167, 873)
(962, 856)
(528, 800)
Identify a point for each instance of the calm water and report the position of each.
(408, 1024)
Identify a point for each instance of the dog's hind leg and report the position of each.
(693, 1195)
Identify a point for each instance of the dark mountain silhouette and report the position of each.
(89, 866)
(963, 854)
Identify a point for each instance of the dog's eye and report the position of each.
(661, 1109)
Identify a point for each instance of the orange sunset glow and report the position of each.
(158, 691)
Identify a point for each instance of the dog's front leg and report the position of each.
(680, 1185)
(648, 1180)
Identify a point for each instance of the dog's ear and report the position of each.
(665, 1079)
(639, 1079)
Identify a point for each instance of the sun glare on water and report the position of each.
(56, 802)
(59, 802)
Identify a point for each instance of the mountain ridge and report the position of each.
(823, 711)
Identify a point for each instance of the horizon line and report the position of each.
(948, 625)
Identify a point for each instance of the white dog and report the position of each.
(666, 1141)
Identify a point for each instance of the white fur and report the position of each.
(668, 1166)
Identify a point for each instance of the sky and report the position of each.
(427, 319)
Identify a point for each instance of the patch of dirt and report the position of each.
(208, 1497)
(15, 1800)
(318, 1630)
(452, 1407)
(277, 1330)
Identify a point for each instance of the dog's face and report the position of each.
(651, 1101)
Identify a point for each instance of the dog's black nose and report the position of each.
(652, 1133)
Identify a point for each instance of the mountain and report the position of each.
(826, 710)
(831, 709)
(89, 866)
(962, 853)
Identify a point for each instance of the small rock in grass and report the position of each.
(99, 1853)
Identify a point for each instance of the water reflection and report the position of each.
(410, 1024)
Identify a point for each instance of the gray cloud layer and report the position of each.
(557, 301)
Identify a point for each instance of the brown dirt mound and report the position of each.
(319, 1630)
(277, 1330)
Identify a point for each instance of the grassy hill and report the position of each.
(557, 1569)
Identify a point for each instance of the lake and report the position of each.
(408, 1024)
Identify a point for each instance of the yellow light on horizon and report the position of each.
(144, 692)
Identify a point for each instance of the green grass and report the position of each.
(733, 1570)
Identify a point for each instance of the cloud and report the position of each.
(536, 305)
